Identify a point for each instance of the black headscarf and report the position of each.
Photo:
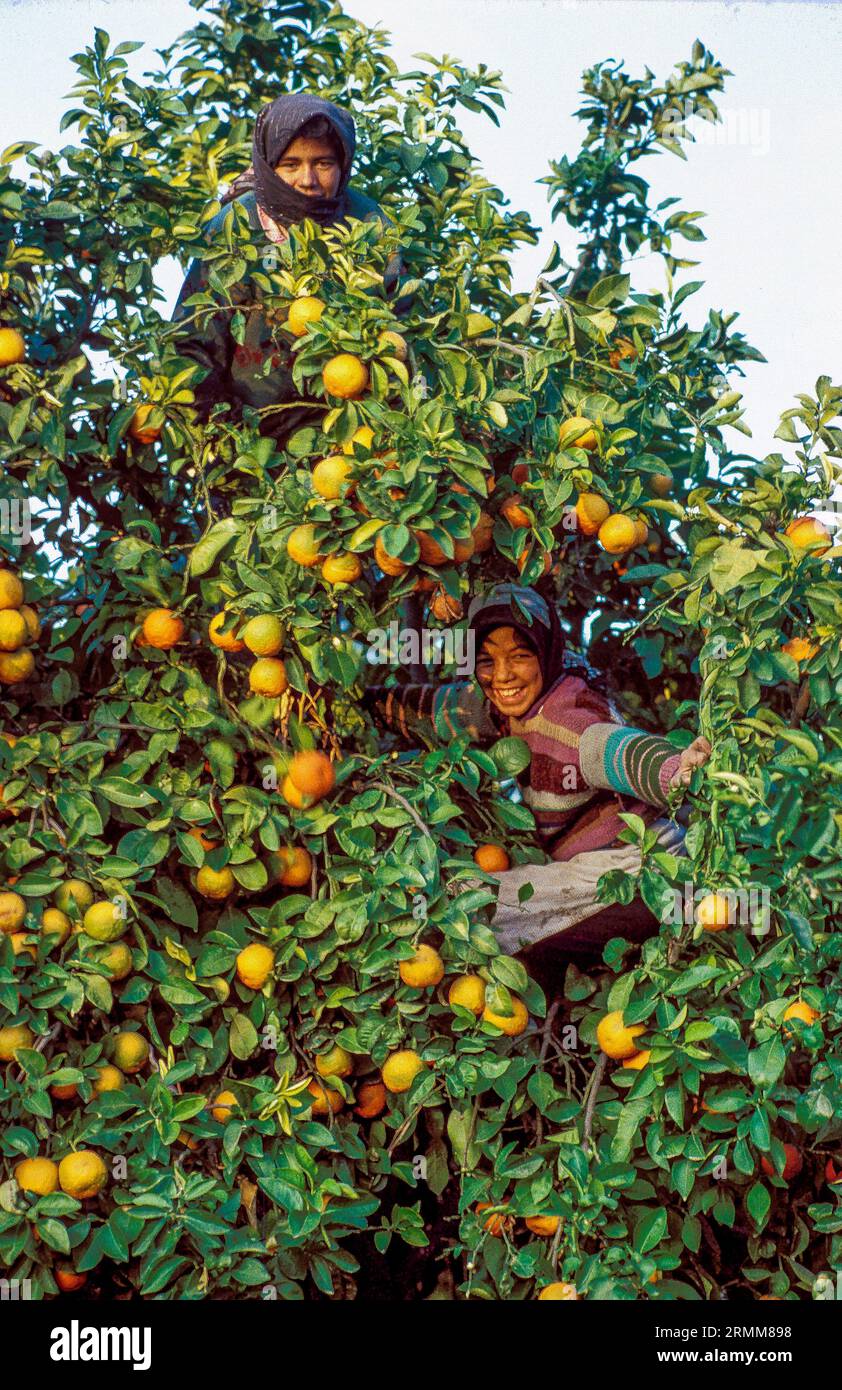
(532, 617)
(276, 127)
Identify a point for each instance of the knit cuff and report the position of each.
(669, 768)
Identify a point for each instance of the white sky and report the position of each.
(769, 184)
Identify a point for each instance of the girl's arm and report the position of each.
(637, 764)
(438, 713)
(209, 345)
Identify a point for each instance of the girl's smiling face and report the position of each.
(509, 672)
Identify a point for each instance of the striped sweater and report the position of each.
(586, 768)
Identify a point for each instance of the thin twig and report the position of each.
(593, 1087)
(402, 801)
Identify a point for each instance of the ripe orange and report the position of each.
(591, 511)
(511, 1024)
(82, 1174)
(492, 858)
(329, 477)
(12, 347)
(618, 533)
(223, 1107)
(808, 531)
(638, 1060)
(226, 641)
(432, 553)
(543, 1225)
(801, 1010)
(335, 1062)
(393, 345)
(345, 376)
(468, 991)
(714, 912)
(103, 921)
(255, 964)
(116, 960)
(558, 1292)
(342, 569)
(140, 432)
(661, 484)
(108, 1078)
(268, 676)
(615, 1039)
(11, 590)
(215, 884)
(312, 773)
(295, 865)
(293, 797)
(306, 309)
(423, 970)
(444, 607)
(515, 514)
(162, 628)
(483, 534)
(371, 1100)
(302, 547)
(12, 1037)
(497, 1223)
(207, 844)
(642, 531)
(68, 1280)
(389, 564)
(16, 667)
(524, 559)
(21, 946)
(37, 1175)
(325, 1101)
(12, 912)
(363, 435)
(72, 894)
(400, 1070)
(799, 648)
(131, 1052)
(264, 635)
(624, 350)
(793, 1163)
(577, 433)
(64, 1092)
(13, 630)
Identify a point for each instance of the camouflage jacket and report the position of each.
(236, 372)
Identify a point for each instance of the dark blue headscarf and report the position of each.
(276, 127)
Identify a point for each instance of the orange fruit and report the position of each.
(371, 1100)
(524, 559)
(799, 648)
(638, 1060)
(577, 433)
(483, 534)
(624, 350)
(801, 1010)
(432, 553)
(131, 1052)
(293, 797)
(12, 1037)
(223, 1107)
(335, 1062)
(82, 1174)
(255, 964)
(543, 1225)
(514, 513)
(363, 435)
(444, 607)
(615, 1039)
(330, 476)
(400, 1070)
(215, 884)
(325, 1101)
(793, 1163)
(306, 309)
(268, 676)
(68, 1280)
(393, 344)
(295, 865)
(312, 773)
(64, 1092)
(342, 569)
(226, 641)
(345, 376)
(591, 511)
(511, 1024)
(116, 960)
(21, 946)
(13, 630)
(468, 991)
(73, 893)
(16, 667)
(423, 970)
(108, 1078)
(103, 921)
(162, 628)
(808, 531)
(558, 1293)
(618, 533)
(495, 1224)
(207, 844)
(661, 484)
(389, 564)
(37, 1175)
(714, 912)
(642, 531)
(12, 912)
(302, 546)
(140, 432)
(12, 347)
(492, 858)
(11, 590)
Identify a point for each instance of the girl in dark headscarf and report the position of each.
(586, 769)
(302, 153)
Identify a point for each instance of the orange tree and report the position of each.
(256, 1032)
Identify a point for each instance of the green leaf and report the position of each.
(206, 551)
(242, 1037)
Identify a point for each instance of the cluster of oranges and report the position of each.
(264, 636)
(19, 628)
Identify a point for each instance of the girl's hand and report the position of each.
(696, 755)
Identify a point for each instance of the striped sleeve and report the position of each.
(628, 761)
(439, 713)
